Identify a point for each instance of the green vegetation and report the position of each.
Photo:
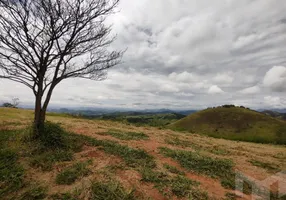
(143, 119)
(126, 135)
(145, 164)
(34, 193)
(216, 168)
(64, 196)
(72, 195)
(110, 191)
(271, 167)
(132, 157)
(277, 196)
(281, 134)
(234, 123)
(200, 163)
(54, 145)
(63, 151)
(69, 175)
(182, 143)
(173, 169)
(11, 172)
(230, 196)
(178, 185)
(218, 150)
(46, 160)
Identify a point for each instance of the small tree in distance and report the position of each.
(43, 42)
(14, 103)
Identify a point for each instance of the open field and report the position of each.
(112, 160)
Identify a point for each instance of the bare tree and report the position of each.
(15, 102)
(43, 42)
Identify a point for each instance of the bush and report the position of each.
(8, 105)
(228, 106)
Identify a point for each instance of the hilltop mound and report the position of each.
(236, 123)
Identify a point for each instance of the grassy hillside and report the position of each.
(141, 119)
(234, 123)
(81, 159)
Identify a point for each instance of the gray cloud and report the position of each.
(182, 51)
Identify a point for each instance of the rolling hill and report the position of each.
(235, 123)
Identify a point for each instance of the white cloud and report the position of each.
(215, 90)
(184, 77)
(184, 94)
(223, 78)
(168, 88)
(251, 90)
(275, 101)
(275, 79)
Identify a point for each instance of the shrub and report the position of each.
(8, 105)
(228, 106)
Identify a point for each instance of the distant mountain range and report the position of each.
(275, 114)
(113, 111)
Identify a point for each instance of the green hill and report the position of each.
(235, 123)
(142, 119)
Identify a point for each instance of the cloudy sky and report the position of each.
(186, 54)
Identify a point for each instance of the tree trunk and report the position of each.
(38, 117)
(40, 110)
